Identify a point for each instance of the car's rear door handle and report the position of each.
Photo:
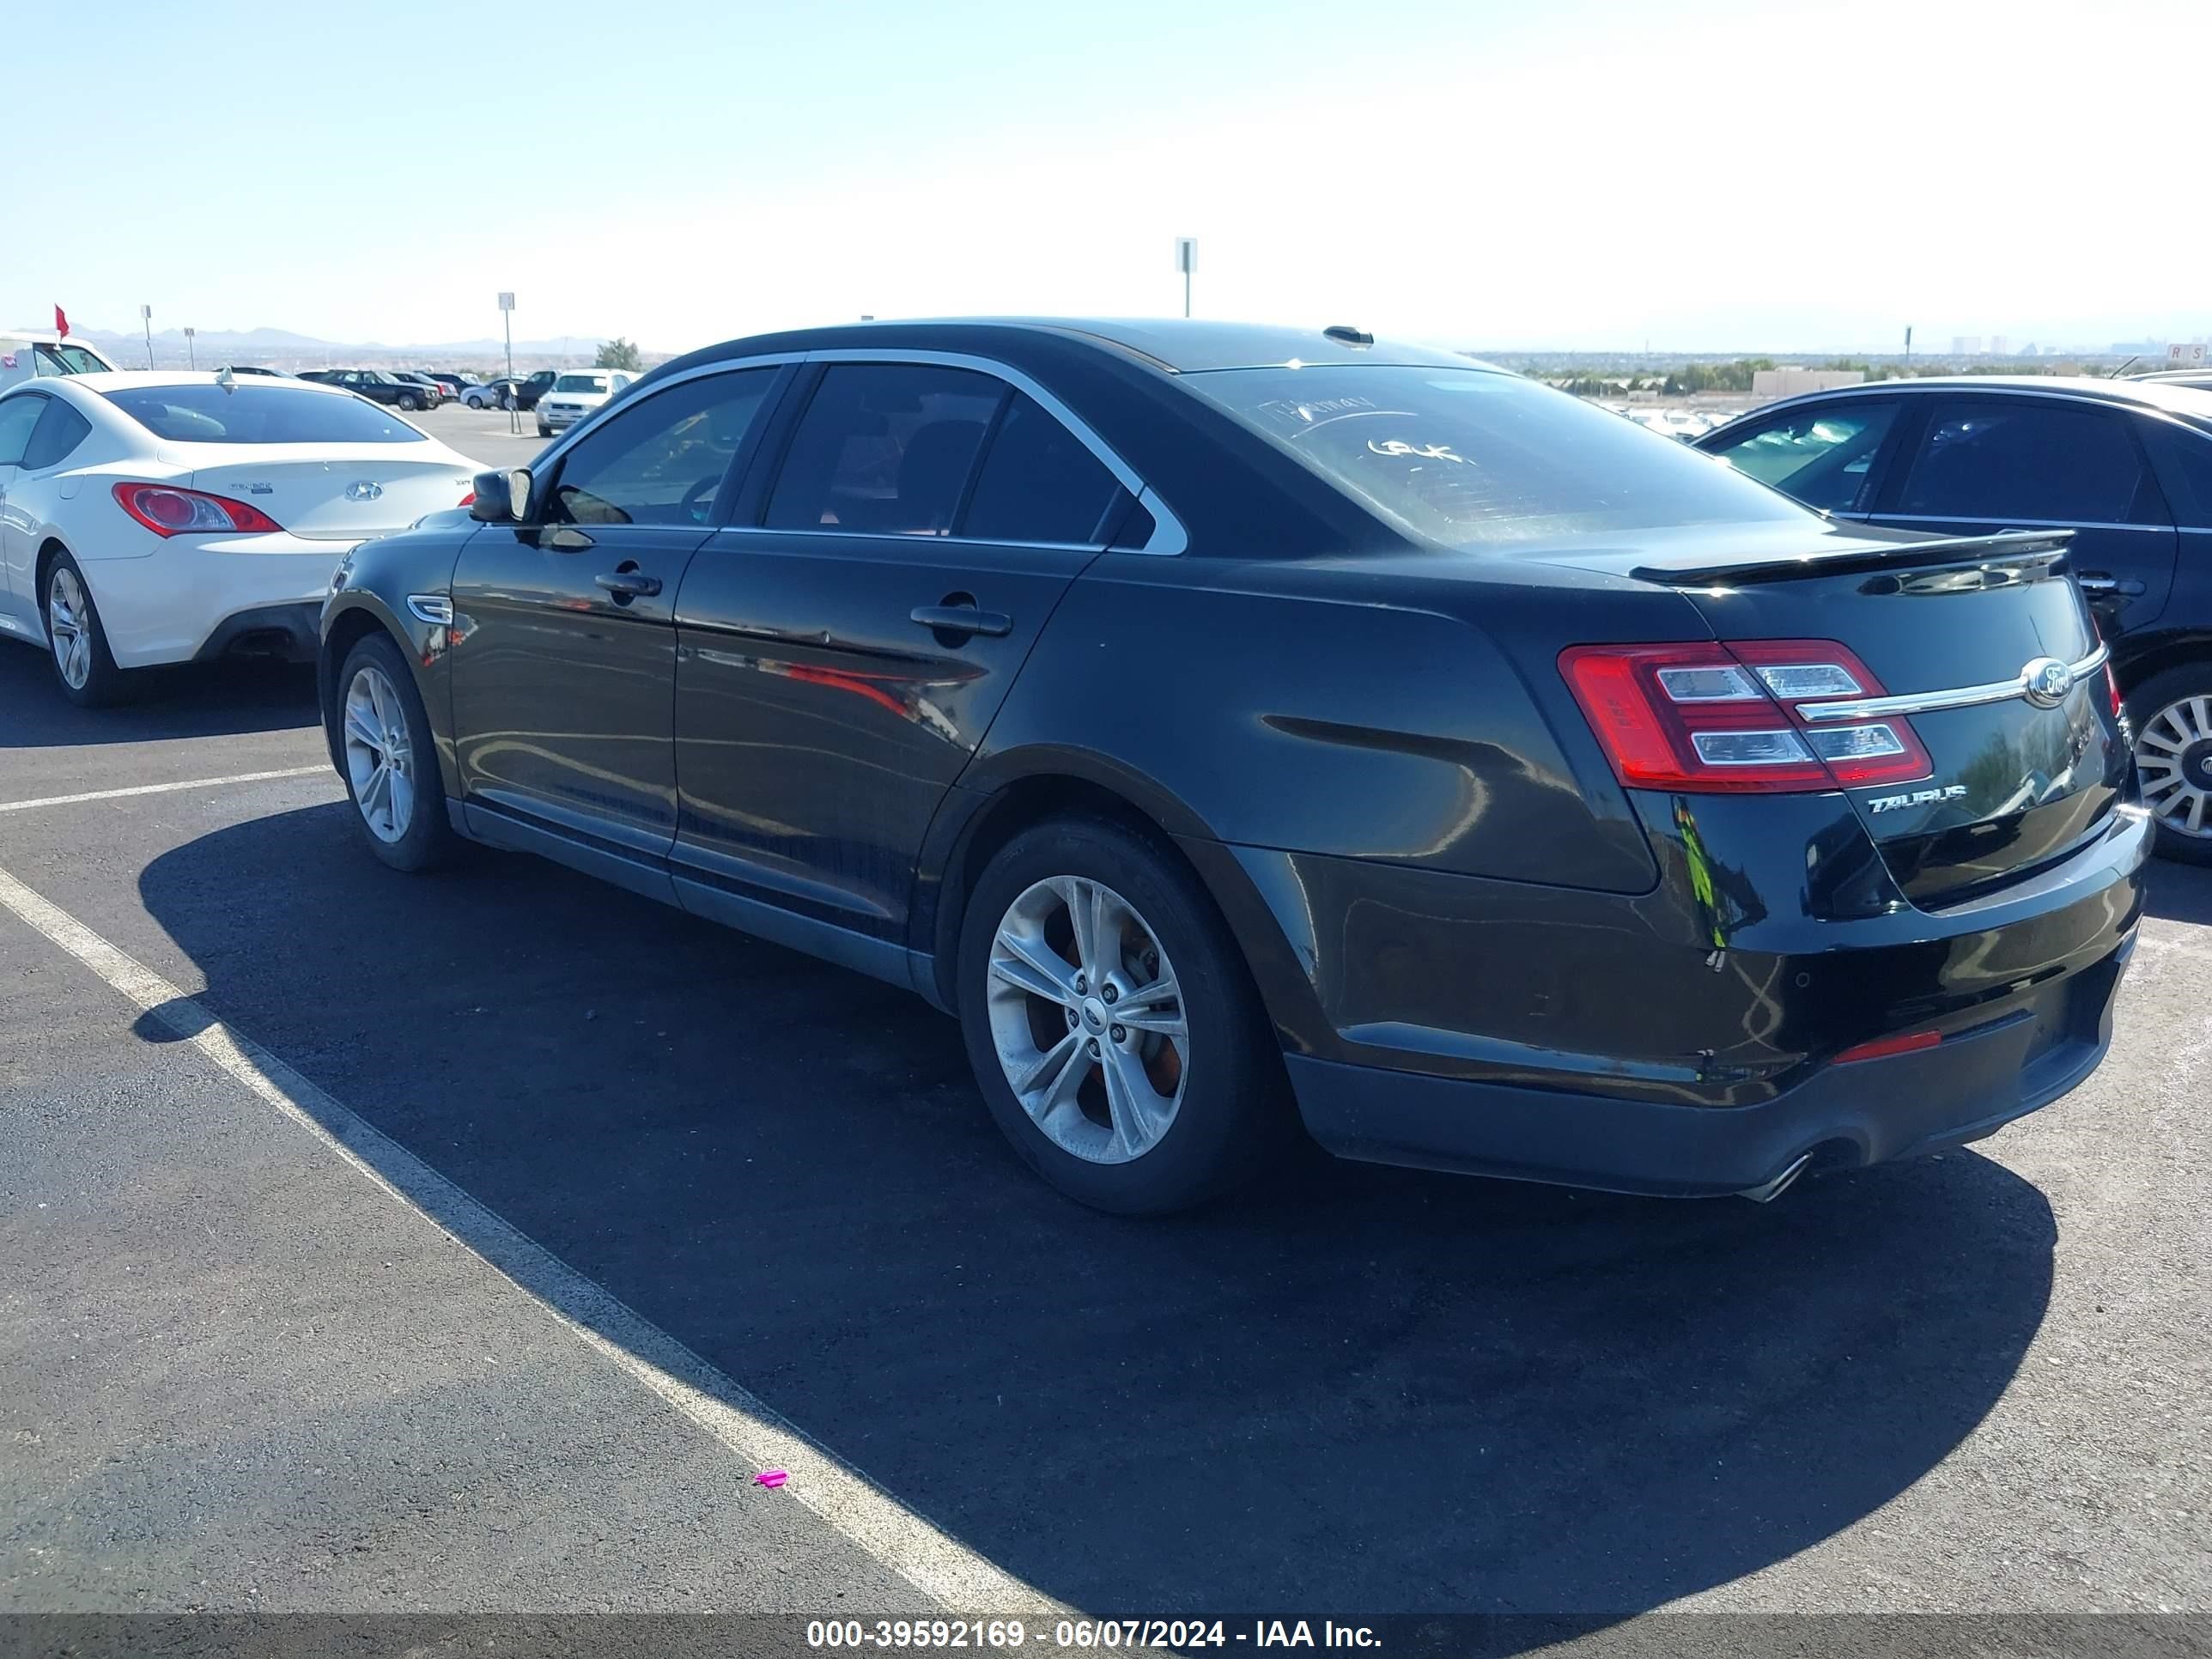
(2096, 581)
(962, 619)
(627, 584)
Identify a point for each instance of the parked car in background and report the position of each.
(2197, 378)
(264, 374)
(28, 353)
(161, 517)
(2126, 465)
(1060, 672)
(379, 386)
(532, 387)
(437, 391)
(456, 386)
(577, 393)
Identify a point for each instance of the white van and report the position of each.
(25, 352)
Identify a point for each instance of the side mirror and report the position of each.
(501, 497)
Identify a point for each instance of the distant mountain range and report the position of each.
(277, 348)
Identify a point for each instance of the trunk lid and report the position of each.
(2016, 780)
(329, 492)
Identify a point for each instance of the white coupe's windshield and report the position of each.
(1468, 456)
(209, 414)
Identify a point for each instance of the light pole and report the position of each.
(506, 323)
(192, 356)
(146, 316)
(1186, 262)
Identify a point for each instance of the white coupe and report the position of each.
(157, 518)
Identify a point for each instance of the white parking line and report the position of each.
(840, 1494)
(163, 788)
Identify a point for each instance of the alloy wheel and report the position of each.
(1088, 1019)
(69, 627)
(380, 761)
(2173, 760)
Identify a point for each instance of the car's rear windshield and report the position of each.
(1474, 456)
(259, 414)
(580, 383)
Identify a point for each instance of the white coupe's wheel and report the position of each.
(77, 644)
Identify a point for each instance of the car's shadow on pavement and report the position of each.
(192, 700)
(1352, 1391)
(2179, 892)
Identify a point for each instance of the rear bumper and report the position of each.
(286, 633)
(1670, 1042)
(195, 598)
(1842, 1116)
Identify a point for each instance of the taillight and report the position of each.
(2113, 691)
(167, 511)
(1724, 717)
(469, 500)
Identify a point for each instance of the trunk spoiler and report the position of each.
(2010, 556)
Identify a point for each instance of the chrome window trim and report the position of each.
(2021, 524)
(1925, 702)
(1169, 537)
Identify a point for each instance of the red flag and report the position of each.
(61, 323)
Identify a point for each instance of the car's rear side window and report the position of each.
(1039, 483)
(19, 418)
(206, 413)
(2027, 459)
(1822, 456)
(1468, 457)
(2183, 455)
(67, 360)
(884, 449)
(60, 430)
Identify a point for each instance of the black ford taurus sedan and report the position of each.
(1239, 727)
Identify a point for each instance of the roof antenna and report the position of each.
(225, 378)
(1348, 335)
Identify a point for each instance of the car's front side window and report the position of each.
(659, 460)
(884, 449)
(1822, 456)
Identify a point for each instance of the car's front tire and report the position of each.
(1113, 1027)
(2172, 714)
(77, 642)
(389, 759)
(410, 403)
(544, 430)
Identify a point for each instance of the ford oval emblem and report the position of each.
(2047, 681)
(363, 489)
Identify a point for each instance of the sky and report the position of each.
(1693, 175)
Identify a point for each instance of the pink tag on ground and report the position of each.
(771, 1477)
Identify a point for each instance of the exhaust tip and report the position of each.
(1770, 1191)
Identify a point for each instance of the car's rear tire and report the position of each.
(77, 643)
(1181, 1098)
(389, 759)
(2172, 714)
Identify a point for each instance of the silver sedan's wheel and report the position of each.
(380, 761)
(2174, 759)
(1088, 1020)
(69, 627)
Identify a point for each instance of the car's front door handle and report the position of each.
(2097, 582)
(962, 619)
(627, 584)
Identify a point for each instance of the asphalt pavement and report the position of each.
(471, 1241)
